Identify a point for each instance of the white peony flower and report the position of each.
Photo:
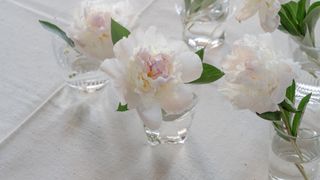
(91, 30)
(150, 72)
(256, 77)
(268, 12)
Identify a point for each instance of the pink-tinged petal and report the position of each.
(151, 115)
(191, 66)
(249, 9)
(269, 18)
(175, 100)
(97, 45)
(268, 23)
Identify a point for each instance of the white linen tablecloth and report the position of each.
(78, 136)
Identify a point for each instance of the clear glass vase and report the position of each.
(294, 158)
(79, 71)
(174, 127)
(308, 80)
(203, 22)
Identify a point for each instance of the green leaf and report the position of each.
(200, 53)
(298, 116)
(287, 105)
(308, 39)
(280, 131)
(209, 74)
(301, 12)
(291, 92)
(206, 3)
(281, 28)
(313, 6)
(291, 10)
(56, 30)
(285, 119)
(122, 108)
(193, 6)
(293, 7)
(288, 24)
(311, 19)
(271, 116)
(308, 3)
(118, 31)
(187, 4)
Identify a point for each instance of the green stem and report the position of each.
(286, 121)
(302, 171)
(298, 165)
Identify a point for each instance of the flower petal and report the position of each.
(285, 76)
(191, 66)
(249, 9)
(93, 44)
(178, 46)
(124, 48)
(153, 38)
(269, 18)
(132, 98)
(175, 100)
(256, 75)
(112, 68)
(151, 115)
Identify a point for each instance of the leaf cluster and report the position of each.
(299, 19)
(288, 114)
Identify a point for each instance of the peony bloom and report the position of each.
(149, 74)
(268, 12)
(91, 30)
(256, 77)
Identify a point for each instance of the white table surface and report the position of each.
(78, 136)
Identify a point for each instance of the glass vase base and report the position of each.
(198, 43)
(88, 86)
(155, 138)
(276, 174)
(294, 158)
(272, 177)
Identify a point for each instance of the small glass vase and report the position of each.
(79, 71)
(294, 158)
(308, 79)
(203, 22)
(174, 127)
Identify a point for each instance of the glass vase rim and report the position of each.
(58, 43)
(304, 46)
(190, 108)
(317, 136)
